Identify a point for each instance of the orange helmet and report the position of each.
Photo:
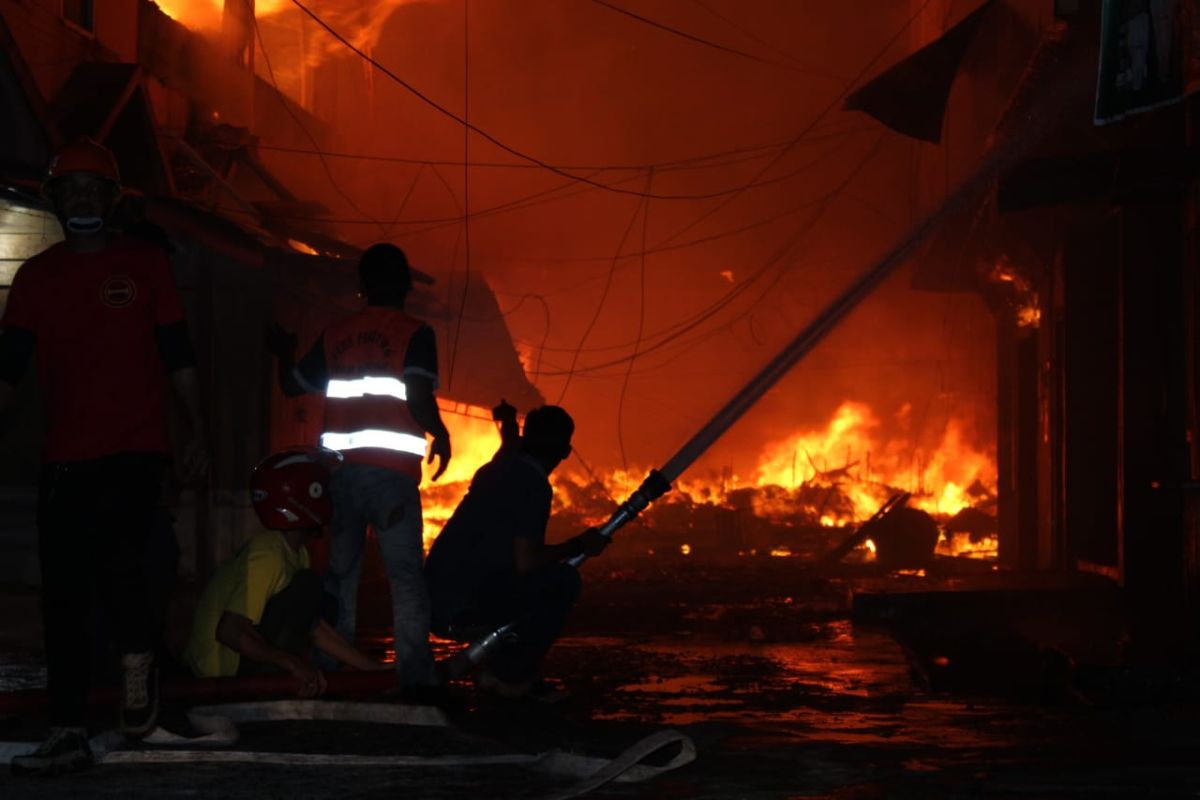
(290, 490)
(84, 157)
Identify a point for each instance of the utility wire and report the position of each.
(749, 34)
(821, 204)
(466, 161)
(412, 186)
(678, 330)
(300, 123)
(734, 191)
(529, 201)
(703, 161)
(761, 222)
(640, 329)
(834, 103)
(603, 297)
(706, 42)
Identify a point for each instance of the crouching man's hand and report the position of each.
(312, 680)
(591, 542)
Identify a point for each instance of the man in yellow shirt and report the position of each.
(264, 610)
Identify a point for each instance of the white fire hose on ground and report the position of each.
(218, 728)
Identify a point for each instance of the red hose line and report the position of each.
(200, 691)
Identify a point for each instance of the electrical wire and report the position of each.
(837, 100)
(678, 330)
(300, 123)
(640, 330)
(762, 222)
(704, 161)
(466, 209)
(731, 192)
(679, 327)
(764, 43)
(536, 199)
(412, 187)
(603, 297)
(706, 42)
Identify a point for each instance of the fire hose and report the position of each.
(217, 729)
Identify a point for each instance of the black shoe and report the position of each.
(439, 697)
(548, 692)
(65, 750)
(138, 713)
(536, 690)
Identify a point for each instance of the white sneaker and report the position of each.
(138, 712)
(65, 750)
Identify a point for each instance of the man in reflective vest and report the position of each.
(378, 371)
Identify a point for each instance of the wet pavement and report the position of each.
(783, 695)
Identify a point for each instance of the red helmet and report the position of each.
(290, 490)
(84, 157)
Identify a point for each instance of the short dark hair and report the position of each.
(383, 270)
(548, 432)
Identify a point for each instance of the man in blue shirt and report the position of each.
(491, 564)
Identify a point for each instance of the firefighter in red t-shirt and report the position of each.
(103, 316)
(377, 369)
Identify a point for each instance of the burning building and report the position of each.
(1020, 369)
(183, 114)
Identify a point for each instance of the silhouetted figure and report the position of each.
(378, 371)
(491, 564)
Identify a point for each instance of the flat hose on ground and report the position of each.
(218, 728)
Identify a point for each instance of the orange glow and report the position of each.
(686, 549)
(960, 544)
(474, 440)
(207, 14)
(301, 247)
(1028, 308)
(868, 549)
(781, 552)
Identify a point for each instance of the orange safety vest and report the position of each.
(366, 409)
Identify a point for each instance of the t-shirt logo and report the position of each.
(118, 291)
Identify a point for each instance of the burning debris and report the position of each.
(807, 488)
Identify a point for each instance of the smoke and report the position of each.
(766, 200)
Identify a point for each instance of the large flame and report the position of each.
(207, 14)
(361, 23)
(474, 439)
(834, 475)
(290, 44)
(852, 452)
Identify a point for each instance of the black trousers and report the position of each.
(93, 521)
(290, 616)
(539, 602)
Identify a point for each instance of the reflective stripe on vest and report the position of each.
(359, 387)
(373, 437)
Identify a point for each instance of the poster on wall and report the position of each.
(1149, 56)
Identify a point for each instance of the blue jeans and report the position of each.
(389, 502)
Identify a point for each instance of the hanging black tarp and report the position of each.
(910, 98)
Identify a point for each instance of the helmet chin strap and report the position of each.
(85, 224)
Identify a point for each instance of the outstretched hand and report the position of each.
(440, 448)
(504, 412)
(592, 542)
(281, 342)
